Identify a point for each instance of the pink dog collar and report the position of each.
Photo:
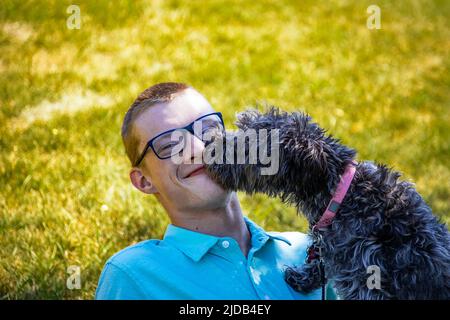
(335, 202)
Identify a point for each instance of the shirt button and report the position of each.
(225, 244)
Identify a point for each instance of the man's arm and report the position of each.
(117, 284)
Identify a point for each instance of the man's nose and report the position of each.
(196, 149)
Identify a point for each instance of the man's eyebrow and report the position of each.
(165, 137)
(183, 126)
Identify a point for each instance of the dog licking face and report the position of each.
(309, 163)
(381, 222)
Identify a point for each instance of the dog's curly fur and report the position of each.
(382, 221)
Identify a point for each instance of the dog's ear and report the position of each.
(305, 147)
(319, 158)
(315, 167)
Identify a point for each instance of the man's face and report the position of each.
(179, 187)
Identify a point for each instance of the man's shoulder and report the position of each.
(120, 278)
(137, 253)
(291, 246)
(295, 239)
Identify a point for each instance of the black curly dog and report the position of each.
(381, 222)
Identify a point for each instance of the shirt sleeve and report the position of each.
(117, 284)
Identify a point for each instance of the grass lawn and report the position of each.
(65, 197)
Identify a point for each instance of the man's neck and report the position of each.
(222, 222)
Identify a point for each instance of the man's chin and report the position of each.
(206, 188)
(201, 181)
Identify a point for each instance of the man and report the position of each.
(210, 250)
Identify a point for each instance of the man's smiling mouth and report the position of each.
(197, 171)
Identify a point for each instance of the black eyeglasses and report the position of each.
(165, 146)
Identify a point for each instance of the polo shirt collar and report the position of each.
(195, 244)
(260, 236)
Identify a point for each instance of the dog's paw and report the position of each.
(304, 279)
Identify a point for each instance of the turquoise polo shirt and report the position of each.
(192, 265)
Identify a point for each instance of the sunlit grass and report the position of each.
(65, 197)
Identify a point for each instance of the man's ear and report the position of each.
(142, 182)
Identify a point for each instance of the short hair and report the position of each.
(158, 93)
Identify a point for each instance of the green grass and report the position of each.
(65, 198)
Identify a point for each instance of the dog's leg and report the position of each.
(305, 278)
